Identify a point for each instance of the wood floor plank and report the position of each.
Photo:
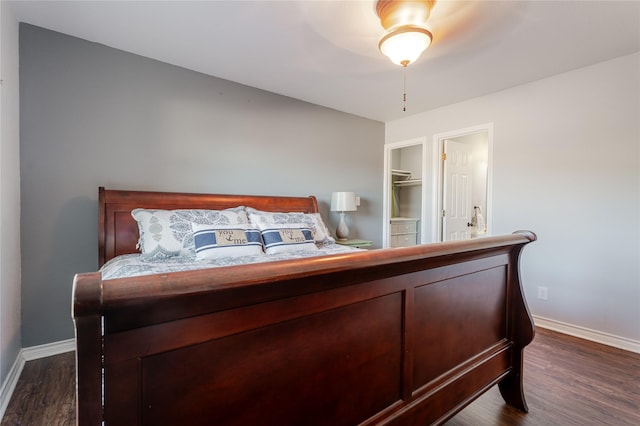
(568, 381)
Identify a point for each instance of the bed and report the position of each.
(392, 336)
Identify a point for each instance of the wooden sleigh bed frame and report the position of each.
(393, 336)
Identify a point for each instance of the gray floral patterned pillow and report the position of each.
(313, 221)
(168, 233)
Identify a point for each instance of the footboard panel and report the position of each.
(398, 336)
(338, 367)
(462, 317)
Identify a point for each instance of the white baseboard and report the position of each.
(49, 349)
(588, 334)
(10, 383)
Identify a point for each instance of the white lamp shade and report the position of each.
(343, 202)
(404, 45)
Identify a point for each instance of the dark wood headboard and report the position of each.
(118, 231)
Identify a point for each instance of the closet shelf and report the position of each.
(401, 173)
(403, 178)
(408, 182)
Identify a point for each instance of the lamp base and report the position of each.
(342, 231)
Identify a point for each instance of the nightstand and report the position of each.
(355, 243)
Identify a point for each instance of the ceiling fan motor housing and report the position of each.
(398, 13)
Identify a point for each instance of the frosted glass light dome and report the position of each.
(404, 45)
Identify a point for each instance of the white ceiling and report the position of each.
(325, 52)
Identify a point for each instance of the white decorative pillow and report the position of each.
(313, 221)
(218, 241)
(167, 233)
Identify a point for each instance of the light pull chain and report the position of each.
(404, 85)
(404, 89)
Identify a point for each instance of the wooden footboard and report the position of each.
(394, 336)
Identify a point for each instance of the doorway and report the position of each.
(467, 197)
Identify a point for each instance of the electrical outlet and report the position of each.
(543, 293)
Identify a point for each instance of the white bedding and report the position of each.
(134, 265)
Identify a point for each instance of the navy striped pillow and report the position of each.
(214, 242)
(288, 239)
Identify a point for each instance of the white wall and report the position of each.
(10, 341)
(566, 166)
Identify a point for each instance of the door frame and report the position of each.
(438, 170)
(386, 187)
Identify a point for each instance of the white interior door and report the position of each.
(456, 193)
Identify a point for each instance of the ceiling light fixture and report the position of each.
(405, 22)
(407, 36)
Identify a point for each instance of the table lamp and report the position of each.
(343, 202)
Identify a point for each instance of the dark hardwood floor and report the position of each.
(568, 381)
(45, 393)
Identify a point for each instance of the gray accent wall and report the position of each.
(96, 116)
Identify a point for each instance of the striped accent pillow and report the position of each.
(215, 242)
(287, 239)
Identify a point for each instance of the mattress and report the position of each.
(130, 265)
